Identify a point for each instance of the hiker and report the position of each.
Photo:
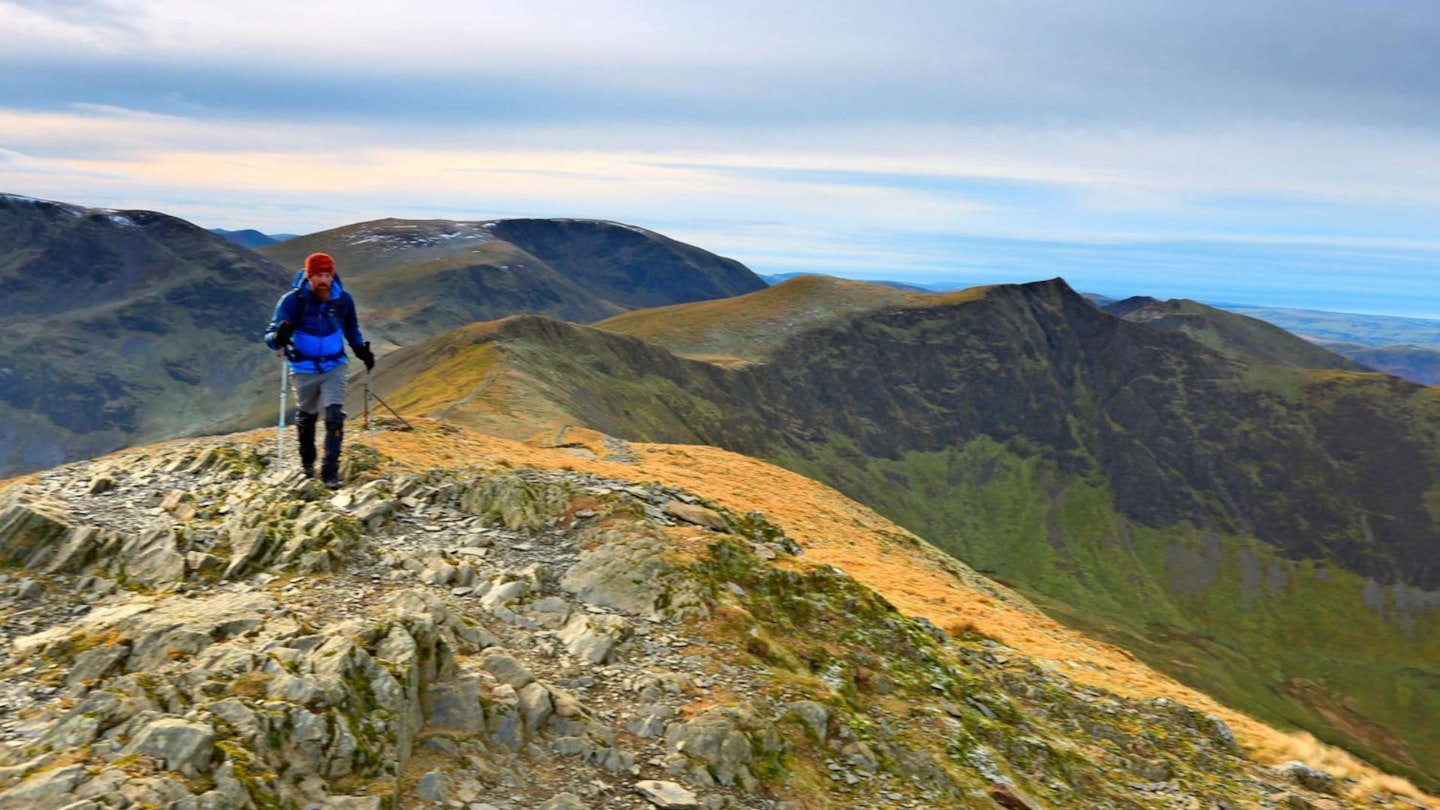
(312, 324)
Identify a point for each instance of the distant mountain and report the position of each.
(777, 278)
(414, 279)
(1419, 364)
(1254, 525)
(123, 326)
(1236, 335)
(250, 237)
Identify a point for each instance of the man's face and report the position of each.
(320, 284)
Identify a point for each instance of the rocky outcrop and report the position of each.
(404, 643)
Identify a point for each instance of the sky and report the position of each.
(1265, 152)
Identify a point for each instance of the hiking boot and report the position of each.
(333, 483)
(309, 470)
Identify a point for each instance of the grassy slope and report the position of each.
(1293, 642)
(747, 328)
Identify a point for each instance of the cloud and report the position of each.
(71, 20)
(920, 137)
(14, 163)
(1105, 63)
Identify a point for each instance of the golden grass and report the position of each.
(746, 328)
(458, 373)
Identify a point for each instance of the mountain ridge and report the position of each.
(839, 699)
(1123, 470)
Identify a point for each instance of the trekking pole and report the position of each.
(280, 425)
(393, 411)
(367, 400)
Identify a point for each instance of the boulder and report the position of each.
(455, 704)
(1307, 777)
(714, 739)
(30, 532)
(628, 575)
(591, 638)
(180, 745)
(54, 788)
(697, 515)
(666, 795)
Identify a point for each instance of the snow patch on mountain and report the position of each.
(412, 235)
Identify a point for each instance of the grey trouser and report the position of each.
(314, 392)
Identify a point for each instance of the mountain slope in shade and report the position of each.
(415, 279)
(1264, 530)
(123, 326)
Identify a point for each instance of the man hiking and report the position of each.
(312, 324)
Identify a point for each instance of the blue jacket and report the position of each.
(321, 331)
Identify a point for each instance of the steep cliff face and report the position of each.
(572, 627)
(1265, 530)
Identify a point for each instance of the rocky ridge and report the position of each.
(188, 627)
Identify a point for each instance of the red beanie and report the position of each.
(319, 263)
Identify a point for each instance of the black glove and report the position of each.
(363, 353)
(283, 333)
